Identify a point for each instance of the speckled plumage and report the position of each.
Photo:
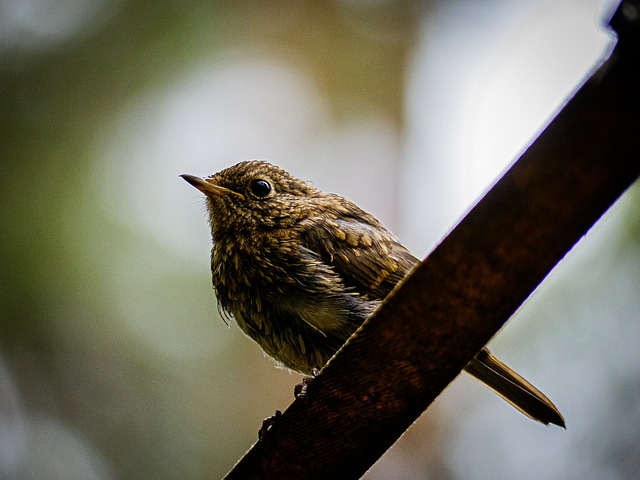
(300, 270)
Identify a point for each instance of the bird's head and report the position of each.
(254, 195)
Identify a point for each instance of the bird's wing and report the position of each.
(367, 257)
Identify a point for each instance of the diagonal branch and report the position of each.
(467, 288)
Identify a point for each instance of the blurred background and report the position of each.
(114, 362)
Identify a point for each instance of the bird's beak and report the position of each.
(208, 188)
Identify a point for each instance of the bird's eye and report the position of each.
(260, 188)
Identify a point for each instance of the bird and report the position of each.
(300, 270)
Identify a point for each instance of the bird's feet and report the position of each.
(267, 423)
(300, 390)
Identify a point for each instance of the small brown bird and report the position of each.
(300, 270)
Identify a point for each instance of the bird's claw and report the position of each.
(267, 423)
(300, 390)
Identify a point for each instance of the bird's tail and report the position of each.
(513, 388)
